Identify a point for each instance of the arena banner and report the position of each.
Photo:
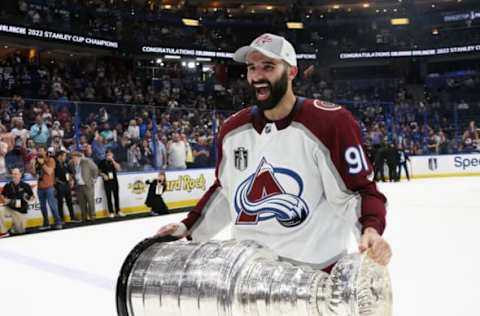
(412, 53)
(184, 189)
(53, 35)
(445, 165)
(203, 53)
(472, 15)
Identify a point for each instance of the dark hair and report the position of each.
(164, 182)
(59, 153)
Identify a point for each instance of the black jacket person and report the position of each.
(108, 170)
(155, 192)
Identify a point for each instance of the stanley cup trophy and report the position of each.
(164, 277)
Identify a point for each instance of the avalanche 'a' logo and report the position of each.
(261, 197)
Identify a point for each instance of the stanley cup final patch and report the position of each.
(241, 158)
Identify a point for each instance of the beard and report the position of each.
(275, 90)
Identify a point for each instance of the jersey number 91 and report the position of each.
(355, 157)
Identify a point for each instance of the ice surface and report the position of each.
(433, 228)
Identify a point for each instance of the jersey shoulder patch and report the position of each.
(326, 106)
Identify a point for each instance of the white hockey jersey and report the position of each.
(300, 185)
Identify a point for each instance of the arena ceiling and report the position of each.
(246, 7)
(317, 4)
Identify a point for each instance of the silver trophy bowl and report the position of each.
(167, 277)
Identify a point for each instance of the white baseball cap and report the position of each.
(272, 46)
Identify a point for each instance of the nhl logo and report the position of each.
(241, 158)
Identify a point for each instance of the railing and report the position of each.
(424, 129)
(96, 127)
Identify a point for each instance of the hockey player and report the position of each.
(291, 172)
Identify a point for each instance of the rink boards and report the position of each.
(185, 187)
(445, 165)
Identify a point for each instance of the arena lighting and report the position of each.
(172, 57)
(167, 6)
(32, 53)
(435, 31)
(159, 60)
(269, 7)
(366, 5)
(190, 22)
(190, 65)
(400, 21)
(184, 63)
(336, 6)
(295, 25)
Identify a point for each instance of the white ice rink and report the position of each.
(433, 227)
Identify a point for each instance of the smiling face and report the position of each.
(269, 78)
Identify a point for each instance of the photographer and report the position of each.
(44, 168)
(16, 195)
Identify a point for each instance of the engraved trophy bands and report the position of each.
(243, 278)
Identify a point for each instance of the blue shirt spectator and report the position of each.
(201, 153)
(39, 131)
(161, 154)
(142, 127)
(99, 148)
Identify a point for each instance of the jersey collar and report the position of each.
(259, 119)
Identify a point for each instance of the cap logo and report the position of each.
(262, 40)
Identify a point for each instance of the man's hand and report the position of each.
(377, 248)
(175, 229)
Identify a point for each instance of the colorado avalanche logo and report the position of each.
(261, 198)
